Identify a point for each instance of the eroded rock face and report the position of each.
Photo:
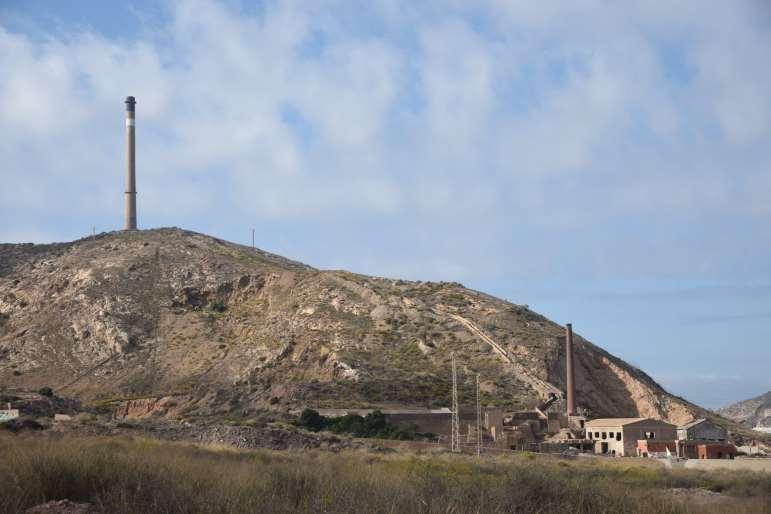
(754, 413)
(61, 507)
(151, 317)
(144, 407)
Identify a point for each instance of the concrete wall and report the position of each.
(615, 446)
(650, 447)
(716, 451)
(763, 465)
(627, 445)
(436, 423)
(637, 432)
(439, 423)
(493, 421)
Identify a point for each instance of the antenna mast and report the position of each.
(455, 442)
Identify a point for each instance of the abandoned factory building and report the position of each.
(701, 430)
(619, 436)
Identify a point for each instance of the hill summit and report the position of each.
(191, 324)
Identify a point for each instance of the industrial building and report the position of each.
(554, 425)
(701, 430)
(705, 449)
(703, 439)
(620, 436)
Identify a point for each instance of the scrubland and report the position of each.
(125, 475)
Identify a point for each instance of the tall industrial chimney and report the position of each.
(570, 385)
(131, 178)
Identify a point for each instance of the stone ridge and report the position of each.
(754, 413)
(213, 328)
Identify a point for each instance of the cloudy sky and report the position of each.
(607, 163)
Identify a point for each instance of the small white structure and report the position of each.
(752, 449)
(8, 414)
(62, 417)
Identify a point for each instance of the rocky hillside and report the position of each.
(754, 413)
(186, 324)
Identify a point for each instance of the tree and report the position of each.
(312, 420)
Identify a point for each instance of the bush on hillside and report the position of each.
(373, 424)
(312, 420)
(217, 305)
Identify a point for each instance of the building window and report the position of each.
(596, 435)
(604, 435)
(618, 436)
(611, 435)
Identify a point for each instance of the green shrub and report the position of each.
(373, 424)
(312, 420)
(217, 305)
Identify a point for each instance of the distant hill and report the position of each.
(754, 413)
(184, 324)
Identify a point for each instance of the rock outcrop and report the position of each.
(754, 413)
(177, 323)
(62, 507)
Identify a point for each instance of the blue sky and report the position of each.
(608, 165)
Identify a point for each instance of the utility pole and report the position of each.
(93, 232)
(479, 422)
(455, 442)
(252, 239)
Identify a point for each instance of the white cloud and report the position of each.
(484, 119)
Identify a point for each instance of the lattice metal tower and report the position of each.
(455, 441)
(479, 421)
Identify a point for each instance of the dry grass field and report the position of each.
(145, 475)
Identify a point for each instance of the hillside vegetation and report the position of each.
(129, 476)
(173, 323)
